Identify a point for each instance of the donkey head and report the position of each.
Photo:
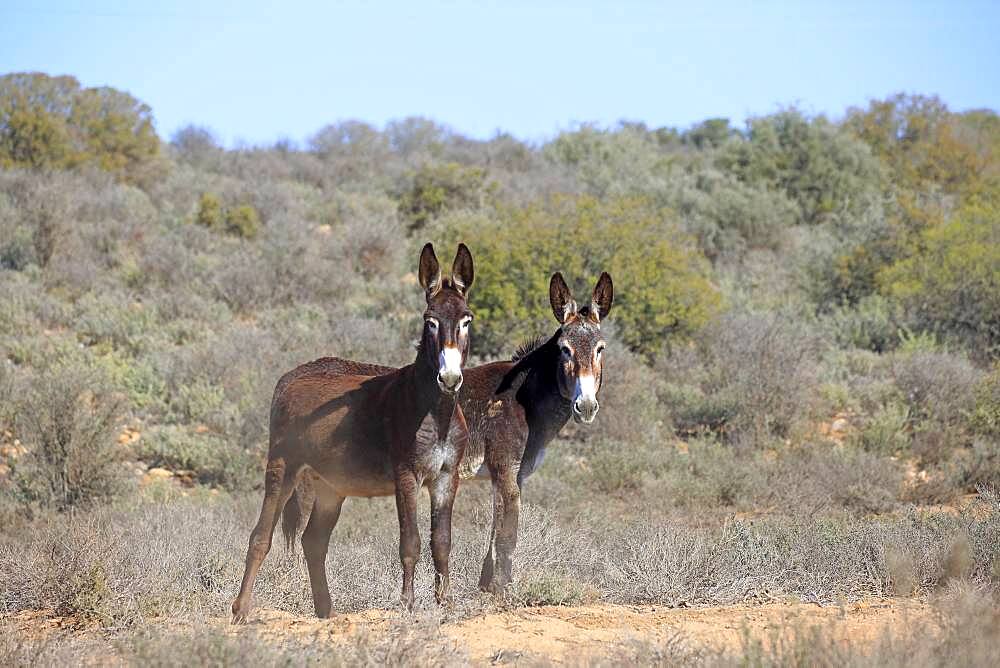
(445, 341)
(581, 344)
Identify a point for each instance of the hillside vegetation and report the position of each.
(806, 332)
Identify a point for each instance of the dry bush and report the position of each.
(820, 479)
(748, 377)
(938, 386)
(702, 480)
(37, 220)
(185, 560)
(67, 417)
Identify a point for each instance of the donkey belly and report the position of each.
(356, 469)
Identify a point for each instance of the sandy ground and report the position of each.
(567, 635)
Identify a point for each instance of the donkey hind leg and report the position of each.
(486, 575)
(442, 492)
(316, 542)
(409, 534)
(279, 482)
(506, 512)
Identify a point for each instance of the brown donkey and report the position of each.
(373, 436)
(516, 408)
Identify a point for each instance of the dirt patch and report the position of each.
(568, 634)
(559, 633)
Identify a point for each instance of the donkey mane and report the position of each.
(527, 357)
(526, 347)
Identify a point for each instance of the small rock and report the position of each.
(839, 425)
(158, 472)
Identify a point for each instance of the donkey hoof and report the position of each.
(240, 612)
(497, 586)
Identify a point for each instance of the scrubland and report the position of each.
(801, 403)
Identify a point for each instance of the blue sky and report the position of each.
(257, 73)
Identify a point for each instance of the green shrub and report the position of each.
(88, 596)
(211, 459)
(616, 469)
(828, 173)
(243, 221)
(986, 414)
(436, 189)
(661, 285)
(538, 589)
(619, 162)
(729, 217)
(951, 285)
(209, 211)
(870, 324)
(710, 474)
(885, 432)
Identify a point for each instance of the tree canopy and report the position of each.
(53, 123)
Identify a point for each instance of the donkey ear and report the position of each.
(562, 302)
(604, 294)
(462, 273)
(430, 270)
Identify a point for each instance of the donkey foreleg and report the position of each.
(442, 492)
(409, 533)
(486, 576)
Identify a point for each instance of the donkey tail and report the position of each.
(291, 519)
(292, 515)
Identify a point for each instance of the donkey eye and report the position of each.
(600, 350)
(432, 323)
(465, 323)
(566, 351)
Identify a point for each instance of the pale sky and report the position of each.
(256, 73)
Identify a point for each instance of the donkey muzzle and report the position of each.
(585, 409)
(449, 383)
(450, 370)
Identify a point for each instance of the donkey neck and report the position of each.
(421, 379)
(540, 390)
